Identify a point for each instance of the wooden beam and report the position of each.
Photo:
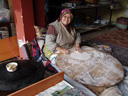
(24, 22)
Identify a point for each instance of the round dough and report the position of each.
(92, 67)
(80, 56)
(112, 91)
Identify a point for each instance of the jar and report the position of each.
(87, 21)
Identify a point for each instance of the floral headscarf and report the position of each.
(65, 11)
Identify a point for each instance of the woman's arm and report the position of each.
(51, 40)
(53, 46)
(78, 41)
(78, 38)
(78, 47)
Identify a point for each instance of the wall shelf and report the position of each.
(84, 28)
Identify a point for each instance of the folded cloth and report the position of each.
(38, 56)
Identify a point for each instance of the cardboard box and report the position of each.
(40, 86)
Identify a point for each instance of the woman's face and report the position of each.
(66, 19)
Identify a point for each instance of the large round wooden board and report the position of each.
(92, 67)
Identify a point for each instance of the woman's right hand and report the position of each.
(62, 50)
(65, 51)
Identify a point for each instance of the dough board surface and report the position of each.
(92, 67)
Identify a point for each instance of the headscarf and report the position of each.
(63, 12)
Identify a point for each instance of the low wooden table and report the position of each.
(28, 72)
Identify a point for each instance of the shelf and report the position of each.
(7, 24)
(86, 28)
(80, 7)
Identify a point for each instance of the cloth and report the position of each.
(123, 85)
(51, 30)
(47, 52)
(39, 56)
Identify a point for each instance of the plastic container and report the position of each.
(4, 15)
(99, 20)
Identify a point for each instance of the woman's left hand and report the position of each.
(79, 50)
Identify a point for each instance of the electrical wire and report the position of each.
(12, 49)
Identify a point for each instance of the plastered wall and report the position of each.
(11, 9)
(115, 12)
(104, 12)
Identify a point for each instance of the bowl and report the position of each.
(12, 66)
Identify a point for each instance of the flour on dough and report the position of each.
(80, 56)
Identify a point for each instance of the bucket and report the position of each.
(122, 23)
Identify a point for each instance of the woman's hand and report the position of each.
(62, 50)
(65, 51)
(78, 47)
(79, 50)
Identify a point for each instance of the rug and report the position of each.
(119, 52)
(115, 37)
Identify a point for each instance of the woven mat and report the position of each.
(115, 37)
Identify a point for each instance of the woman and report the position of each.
(61, 35)
(87, 68)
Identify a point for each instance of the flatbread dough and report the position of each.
(80, 56)
(112, 91)
(92, 67)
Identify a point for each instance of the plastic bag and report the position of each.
(123, 86)
(4, 15)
